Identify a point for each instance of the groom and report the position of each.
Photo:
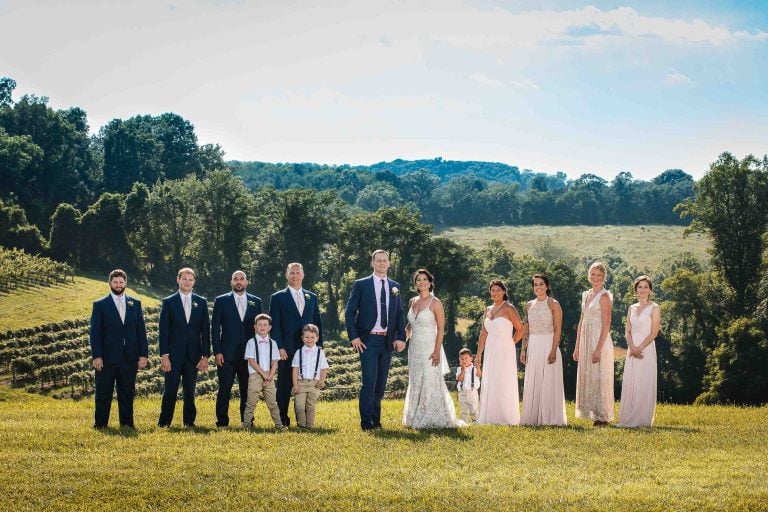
(375, 325)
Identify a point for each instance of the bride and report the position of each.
(427, 401)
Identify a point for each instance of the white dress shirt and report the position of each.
(298, 299)
(377, 291)
(263, 347)
(118, 299)
(466, 384)
(309, 360)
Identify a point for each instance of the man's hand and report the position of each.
(203, 364)
(219, 360)
(358, 345)
(165, 363)
(283, 354)
(399, 345)
(98, 363)
(143, 362)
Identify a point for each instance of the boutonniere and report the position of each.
(252, 303)
(130, 303)
(395, 291)
(307, 296)
(194, 304)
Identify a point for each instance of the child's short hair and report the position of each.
(465, 351)
(311, 328)
(263, 316)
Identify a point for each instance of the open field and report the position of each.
(696, 458)
(643, 247)
(41, 305)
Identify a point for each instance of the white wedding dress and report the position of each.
(428, 403)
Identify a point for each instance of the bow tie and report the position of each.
(307, 350)
(264, 340)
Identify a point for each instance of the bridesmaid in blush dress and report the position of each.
(502, 328)
(594, 351)
(543, 395)
(638, 390)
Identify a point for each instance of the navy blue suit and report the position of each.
(230, 334)
(186, 343)
(119, 344)
(360, 317)
(286, 331)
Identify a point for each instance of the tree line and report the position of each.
(452, 193)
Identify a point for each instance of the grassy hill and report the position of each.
(30, 307)
(643, 247)
(696, 458)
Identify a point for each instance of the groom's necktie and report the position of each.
(121, 309)
(383, 300)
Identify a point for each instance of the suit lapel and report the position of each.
(128, 311)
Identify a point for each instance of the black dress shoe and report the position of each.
(368, 427)
(99, 427)
(189, 425)
(163, 425)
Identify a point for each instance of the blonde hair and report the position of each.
(186, 270)
(602, 267)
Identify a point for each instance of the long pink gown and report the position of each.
(638, 389)
(594, 381)
(499, 398)
(543, 395)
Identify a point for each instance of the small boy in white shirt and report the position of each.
(262, 355)
(467, 382)
(309, 370)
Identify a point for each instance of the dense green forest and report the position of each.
(450, 193)
(143, 195)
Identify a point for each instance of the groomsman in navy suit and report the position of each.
(119, 348)
(185, 346)
(291, 309)
(375, 326)
(231, 328)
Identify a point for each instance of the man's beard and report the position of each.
(117, 290)
(238, 288)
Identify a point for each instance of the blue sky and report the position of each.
(599, 87)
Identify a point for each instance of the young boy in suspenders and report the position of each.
(467, 382)
(262, 355)
(309, 370)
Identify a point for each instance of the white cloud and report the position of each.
(484, 80)
(524, 84)
(675, 78)
(589, 26)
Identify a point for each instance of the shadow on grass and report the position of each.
(683, 429)
(119, 432)
(422, 435)
(566, 428)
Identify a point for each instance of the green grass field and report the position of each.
(41, 305)
(644, 247)
(696, 458)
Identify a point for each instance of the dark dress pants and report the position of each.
(226, 374)
(187, 373)
(124, 375)
(284, 387)
(374, 363)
